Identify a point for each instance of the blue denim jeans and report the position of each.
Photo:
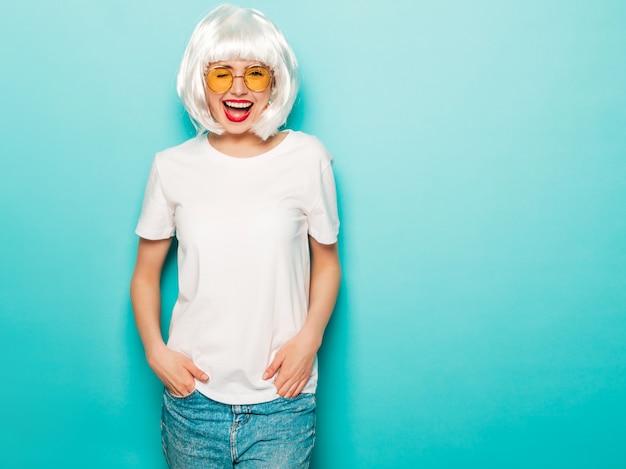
(198, 432)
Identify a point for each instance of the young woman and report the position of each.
(254, 212)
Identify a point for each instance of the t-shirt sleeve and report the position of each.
(157, 216)
(323, 219)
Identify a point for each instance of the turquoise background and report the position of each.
(481, 164)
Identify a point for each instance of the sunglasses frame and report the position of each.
(233, 76)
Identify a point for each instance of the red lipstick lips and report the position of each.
(237, 110)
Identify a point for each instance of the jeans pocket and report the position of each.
(303, 402)
(174, 397)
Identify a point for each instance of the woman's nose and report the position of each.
(239, 85)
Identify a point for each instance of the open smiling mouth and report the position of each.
(236, 110)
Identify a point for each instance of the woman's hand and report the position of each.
(293, 363)
(294, 360)
(175, 370)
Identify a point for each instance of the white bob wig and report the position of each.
(230, 32)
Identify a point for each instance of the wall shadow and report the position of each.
(334, 437)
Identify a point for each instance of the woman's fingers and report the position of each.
(293, 364)
(292, 390)
(177, 372)
(196, 372)
(271, 370)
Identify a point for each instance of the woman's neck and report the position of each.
(244, 145)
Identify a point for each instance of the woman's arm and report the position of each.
(175, 370)
(295, 359)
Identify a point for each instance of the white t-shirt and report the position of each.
(243, 256)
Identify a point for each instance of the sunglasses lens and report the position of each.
(257, 78)
(219, 79)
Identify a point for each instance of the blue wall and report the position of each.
(481, 161)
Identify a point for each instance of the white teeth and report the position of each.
(238, 105)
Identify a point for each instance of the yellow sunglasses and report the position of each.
(256, 78)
